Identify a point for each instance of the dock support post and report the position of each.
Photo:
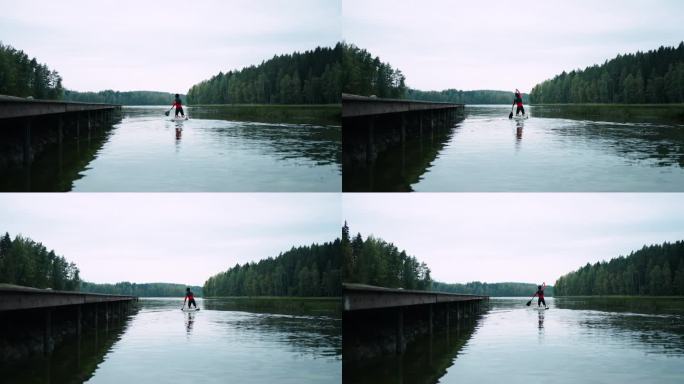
(420, 125)
(78, 126)
(89, 124)
(106, 317)
(28, 155)
(95, 320)
(370, 148)
(79, 321)
(430, 318)
(47, 332)
(432, 127)
(60, 129)
(400, 330)
(403, 128)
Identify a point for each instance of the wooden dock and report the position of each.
(375, 128)
(27, 125)
(386, 320)
(362, 106)
(35, 312)
(359, 296)
(19, 107)
(14, 298)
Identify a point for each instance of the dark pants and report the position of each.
(520, 108)
(179, 110)
(541, 301)
(191, 302)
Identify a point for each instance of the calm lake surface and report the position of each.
(578, 340)
(148, 152)
(487, 152)
(224, 342)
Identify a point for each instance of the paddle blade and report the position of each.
(167, 113)
(528, 303)
(510, 116)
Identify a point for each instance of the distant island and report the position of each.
(655, 270)
(653, 77)
(308, 271)
(311, 77)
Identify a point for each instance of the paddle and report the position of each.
(532, 298)
(169, 111)
(510, 116)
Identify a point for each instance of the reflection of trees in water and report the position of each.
(660, 142)
(313, 335)
(312, 326)
(320, 144)
(656, 323)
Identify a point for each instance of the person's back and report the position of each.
(178, 104)
(540, 295)
(518, 101)
(190, 298)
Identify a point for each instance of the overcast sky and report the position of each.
(162, 45)
(177, 238)
(497, 44)
(515, 237)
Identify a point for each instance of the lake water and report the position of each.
(575, 341)
(221, 343)
(487, 152)
(147, 152)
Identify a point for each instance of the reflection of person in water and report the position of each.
(519, 125)
(179, 133)
(541, 320)
(189, 322)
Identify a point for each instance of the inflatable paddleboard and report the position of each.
(190, 309)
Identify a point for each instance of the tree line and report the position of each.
(366, 75)
(656, 76)
(653, 270)
(311, 77)
(140, 290)
(27, 263)
(23, 76)
(492, 289)
(376, 262)
(122, 98)
(310, 271)
(465, 97)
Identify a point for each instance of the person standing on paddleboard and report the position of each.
(518, 101)
(178, 104)
(190, 298)
(540, 295)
